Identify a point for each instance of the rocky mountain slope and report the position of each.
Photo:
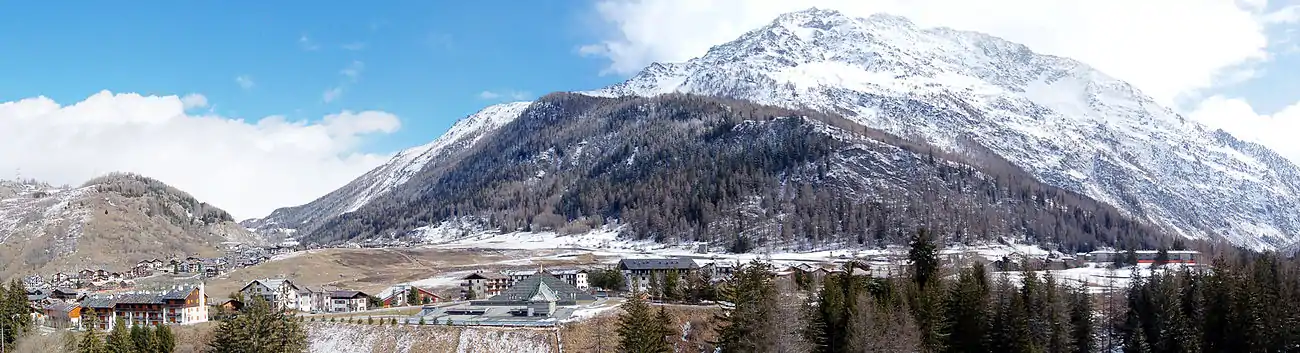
(731, 173)
(1067, 124)
(111, 222)
(286, 222)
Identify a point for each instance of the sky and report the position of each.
(253, 106)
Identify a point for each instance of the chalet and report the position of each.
(280, 293)
(179, 306)
(231, 305)
(639, 272)
(62, 315)
(64, 294)
(86, 275)
(398, 295)
(718, 270)
(346, 301)
(483, 284)
(314, 299)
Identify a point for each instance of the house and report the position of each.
(62, 315)
(346, 301)
(280, 293)
(483, 284)
(640, 272)
(518, 275)
(575, 277)
(314, 299)
(178, 306)
(86, 275)
(718, 270)
(398, 295)
(537, 295)
(64, 294)
(231, 305)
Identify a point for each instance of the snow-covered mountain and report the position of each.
(285, 222)
(1063, 121)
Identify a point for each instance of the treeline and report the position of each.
(164, 198)
(734, 174)
(1247, 304)
(121, 339)
(258, 328)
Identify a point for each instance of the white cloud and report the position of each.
(331, 94)
(306, 43)
(354, 46)
(247, 168)
(1237, 117)
(508, 95)
(1167, 48)
(245, 81)
(194, 100)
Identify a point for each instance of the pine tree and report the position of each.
(260, 329)
(966, 324)
(141, 339)
(14, 316)
(636, 327)
(91, 342)
(421, 323)
(164, 340)
(1082, 335)
(924, 257)
(119, 339)
(412, 296)
(665, 328)
(671, 290)
(746, 323)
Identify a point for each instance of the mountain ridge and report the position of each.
(1066, 123)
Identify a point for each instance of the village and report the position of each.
(536, 297)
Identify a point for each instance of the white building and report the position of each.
(280, 293)
(346, 301)
(575, 277)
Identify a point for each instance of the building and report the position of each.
(179, 306)
(280, 293)
(1147, 256)
(346, 301)
(314, 299)
(64, 294)
(575, 277)
(483, 285)
(398, 295)
(639, 272)
(718, 270)
(537, 295)
(63, 315)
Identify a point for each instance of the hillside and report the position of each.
(1067, 124)
(111, 222)
(691, 168)
(288, 221)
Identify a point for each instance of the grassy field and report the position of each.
(372, 270)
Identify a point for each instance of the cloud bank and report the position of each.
(246, 168)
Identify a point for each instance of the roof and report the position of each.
(542, 287)
(657, 264)
(61, 307)
(566, 271)
(347, 294)
(485, 275)
(272, 284)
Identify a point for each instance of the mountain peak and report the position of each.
(1066, 123)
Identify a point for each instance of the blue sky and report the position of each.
(425, 61)
(254, 105)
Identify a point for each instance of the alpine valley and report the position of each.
(820, 131)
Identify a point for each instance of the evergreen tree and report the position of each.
(746, 323)
(1082, 333)
(1162, 258)
(924, 256)
(671, 287)
(964, 308)
(14, 317)
(164, 340)
(260, 329)
(637, 327)
(141, 339)
(91, 342)
(412, 296)
(119, 339)
(665, 328)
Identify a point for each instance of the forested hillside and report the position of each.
(732, 173)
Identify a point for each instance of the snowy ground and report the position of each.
(1099, 277)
